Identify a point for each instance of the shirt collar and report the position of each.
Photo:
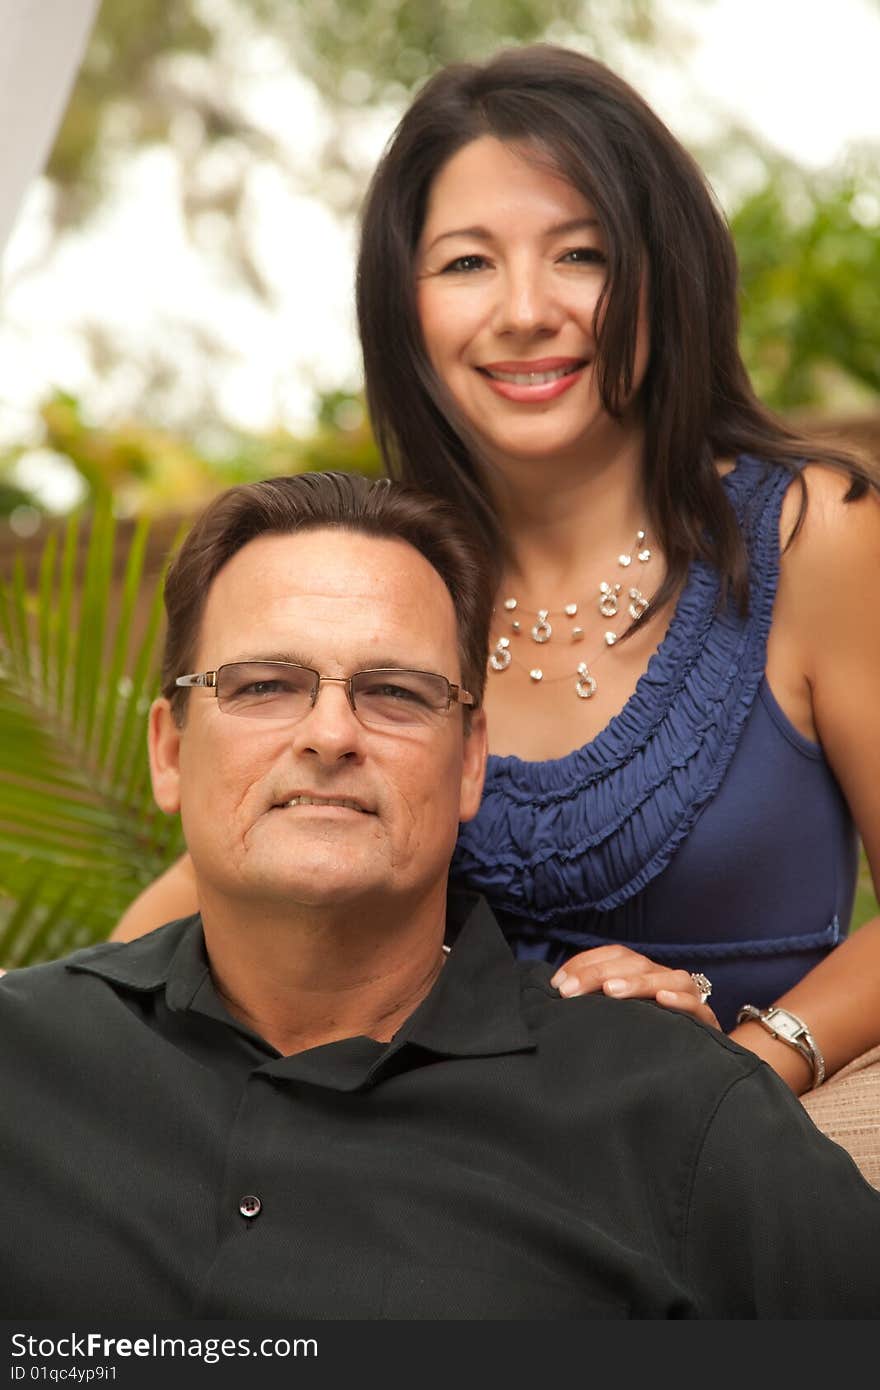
(171, 958)
(474, 1008)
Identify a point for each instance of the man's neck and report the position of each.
(303, 977)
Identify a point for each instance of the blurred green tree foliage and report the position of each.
(360, 53)
(118, 78)
(149, 62)
(151, 471)
(809, 252)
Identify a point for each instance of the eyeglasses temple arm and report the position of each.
(208, 678)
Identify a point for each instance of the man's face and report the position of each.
(339, 602)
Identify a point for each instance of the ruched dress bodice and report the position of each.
(699, 826)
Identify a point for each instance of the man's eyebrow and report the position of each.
(290, 658)
(393, 663)
(373, 663)
(574, 224)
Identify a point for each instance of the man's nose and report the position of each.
(330, 730)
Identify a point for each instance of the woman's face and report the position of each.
(510, 267)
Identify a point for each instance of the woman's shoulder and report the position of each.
(817, 522)
(801, 514)
(830, 550)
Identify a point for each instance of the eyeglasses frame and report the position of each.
(456, 694)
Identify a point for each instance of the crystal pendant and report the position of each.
(542, 630)
(586, 684)
(500, 659)
(608, 600)
(639, 604)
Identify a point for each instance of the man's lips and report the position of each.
(316, 799)
(539, 379)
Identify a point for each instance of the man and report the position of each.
(302, 1104)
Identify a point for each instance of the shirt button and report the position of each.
(250, 1207)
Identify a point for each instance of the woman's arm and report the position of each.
(826, 632)
(827, 608)
(172, 895)
(839, 1000)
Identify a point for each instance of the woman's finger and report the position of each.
(646, 984)
(629, 974)
(588, 970)
(684, 1002)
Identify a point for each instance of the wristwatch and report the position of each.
(788, 1028)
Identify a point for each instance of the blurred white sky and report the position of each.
(803, 73)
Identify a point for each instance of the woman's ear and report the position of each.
(164, 747)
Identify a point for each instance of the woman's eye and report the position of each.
(464, 263)
(585, 255)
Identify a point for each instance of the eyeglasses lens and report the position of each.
(399, 697)
(278, 690)
(265, 690)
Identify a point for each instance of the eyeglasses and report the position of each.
(283, 691)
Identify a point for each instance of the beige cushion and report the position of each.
(847, 1109)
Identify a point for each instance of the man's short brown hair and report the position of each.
(313, 501)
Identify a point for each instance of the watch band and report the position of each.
(788, 1028)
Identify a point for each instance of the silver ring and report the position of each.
(703, 984)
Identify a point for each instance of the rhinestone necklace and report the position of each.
(542, 629)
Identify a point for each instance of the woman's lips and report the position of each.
(538, 381)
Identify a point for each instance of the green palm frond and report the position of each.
(79, 654)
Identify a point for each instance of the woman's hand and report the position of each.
(624, 974)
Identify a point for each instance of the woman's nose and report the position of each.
(526, 304)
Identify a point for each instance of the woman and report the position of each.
(682, 664)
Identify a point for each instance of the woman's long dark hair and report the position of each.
(655, 208)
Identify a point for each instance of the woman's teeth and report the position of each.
(533, 378)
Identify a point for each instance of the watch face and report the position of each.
(785, 1024)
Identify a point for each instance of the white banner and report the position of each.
(41, 47)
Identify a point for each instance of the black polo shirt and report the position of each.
(508, 1155)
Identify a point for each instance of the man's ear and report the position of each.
(473, 769)
(164, 746)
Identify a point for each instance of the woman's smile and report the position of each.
(533, 381)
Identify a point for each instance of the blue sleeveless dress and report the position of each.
(699, 827)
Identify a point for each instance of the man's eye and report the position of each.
(389, 691)
(465, 263)
(263, 688)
